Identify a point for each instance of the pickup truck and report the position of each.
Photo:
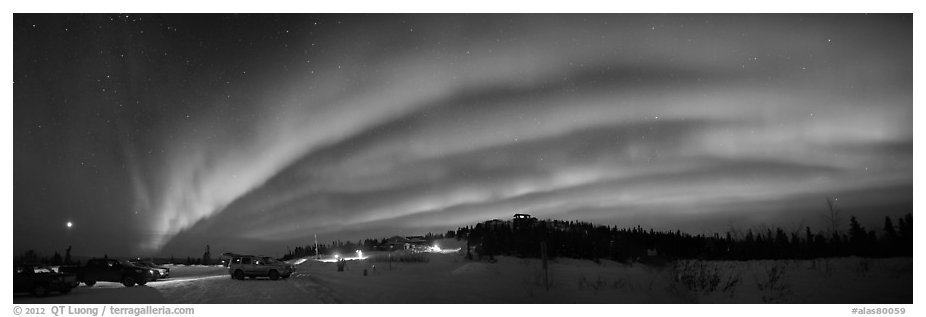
(111, 270)
(252, 266)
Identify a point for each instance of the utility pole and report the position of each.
(316, 246)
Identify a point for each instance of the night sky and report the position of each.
(158, 134)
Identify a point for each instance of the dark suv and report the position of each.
(112, 270)
(241, 266)
(40, 280)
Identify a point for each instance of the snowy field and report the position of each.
(449, 278)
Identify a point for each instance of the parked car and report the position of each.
(40, 280)
(111, 270)
(160, 272)
(251, 266)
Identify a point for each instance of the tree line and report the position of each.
(30, 256)
(585, 240)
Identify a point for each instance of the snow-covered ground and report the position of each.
(449, 278)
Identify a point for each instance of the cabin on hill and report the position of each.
(406, 243)
(518, 221)
(523, 217)
(416, 242)
(396, 243)
(523, 220)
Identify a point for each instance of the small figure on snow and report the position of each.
(341, 264)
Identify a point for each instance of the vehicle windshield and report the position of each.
(128, 263)
(269, 260)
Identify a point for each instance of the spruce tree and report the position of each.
(889, 232)
(67, 256)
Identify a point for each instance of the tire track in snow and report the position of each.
(323, 293)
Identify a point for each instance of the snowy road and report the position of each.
(221, 289)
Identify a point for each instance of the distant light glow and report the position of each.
(69, 224)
